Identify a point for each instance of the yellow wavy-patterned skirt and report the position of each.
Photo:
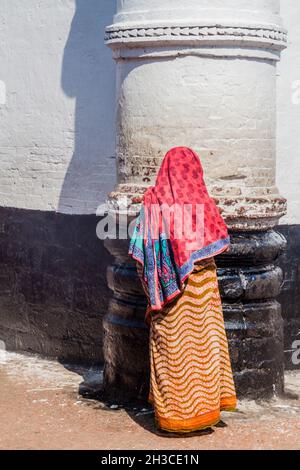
(191, 376)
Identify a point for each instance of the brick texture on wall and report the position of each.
(57, 147)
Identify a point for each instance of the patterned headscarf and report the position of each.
(167, 242)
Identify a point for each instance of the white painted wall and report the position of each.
(288, 106)
(57, 124)
(57, 137)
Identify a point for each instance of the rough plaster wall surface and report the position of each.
(288, 105)
(57, 121)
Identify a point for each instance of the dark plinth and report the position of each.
(53, 290)
(249, 284)
(289, 296)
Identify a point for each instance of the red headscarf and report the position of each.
(169, 250)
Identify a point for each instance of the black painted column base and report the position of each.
(126, 335)
(249, 283)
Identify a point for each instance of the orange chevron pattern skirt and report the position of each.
(191, 377)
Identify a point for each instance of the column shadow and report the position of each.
(88, 75)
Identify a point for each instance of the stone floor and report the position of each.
(41, 408)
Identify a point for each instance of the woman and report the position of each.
(176, 235)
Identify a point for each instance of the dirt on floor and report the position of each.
(42, 407)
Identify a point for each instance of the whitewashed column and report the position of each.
(202, 74)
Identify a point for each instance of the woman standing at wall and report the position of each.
(176, 235)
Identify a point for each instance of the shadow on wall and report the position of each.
(88, 75)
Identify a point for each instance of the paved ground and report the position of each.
(40, 408)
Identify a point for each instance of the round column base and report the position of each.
(249, 283)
